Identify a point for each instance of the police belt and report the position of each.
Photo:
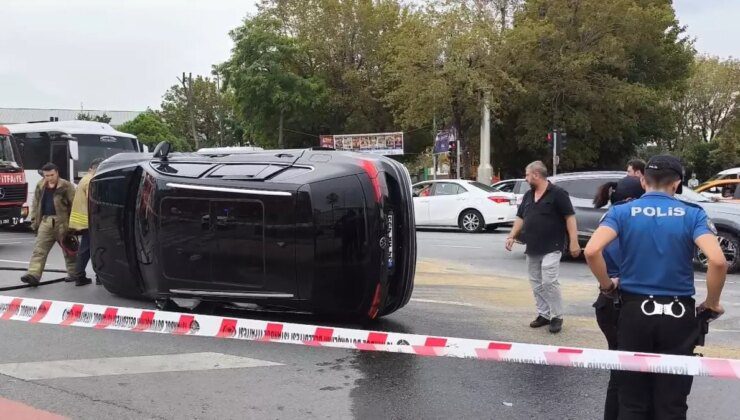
(652, 305)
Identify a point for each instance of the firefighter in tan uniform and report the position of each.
(78, 223)
(52, 202)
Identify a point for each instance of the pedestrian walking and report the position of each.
(607, 305)
(636, 167)
(52, 201)
(657, 235)
(693, 182)
(78, 223)
(549, 228)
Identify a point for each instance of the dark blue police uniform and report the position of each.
(656, 236)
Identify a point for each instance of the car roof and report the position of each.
(75, 127)
(730, 171)
(587, 174)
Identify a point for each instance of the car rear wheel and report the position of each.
(471, 221)
(730, 245)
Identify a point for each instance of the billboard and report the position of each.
(443, 139)
(379, 143)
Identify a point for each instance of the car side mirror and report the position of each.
(74, 149)
(162, 150)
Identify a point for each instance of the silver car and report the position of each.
(582, 187)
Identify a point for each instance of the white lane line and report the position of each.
(444, 302)
(12, 243)
(726, 281)
(85, 368)
(15, 261)
(457, 246)
(727, 331)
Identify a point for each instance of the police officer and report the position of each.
(52, 201)
(607, 305)
(657, 234)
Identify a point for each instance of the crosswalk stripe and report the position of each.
(84, 368)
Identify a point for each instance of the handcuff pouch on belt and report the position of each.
(663, 308)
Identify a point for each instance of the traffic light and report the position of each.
(562, 141)
(452, 154)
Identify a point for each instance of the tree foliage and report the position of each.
(150, 129)
(86, 116)
(214, 114)
(601, 71)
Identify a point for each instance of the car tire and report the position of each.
(730, 244)
(471, 221)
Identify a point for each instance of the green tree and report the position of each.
(86, 116)
(602, 71)
(268, 76)
(215, 120)
(440, 63)
(710, 100)
(150, 129)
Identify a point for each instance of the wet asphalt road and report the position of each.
(316, 382)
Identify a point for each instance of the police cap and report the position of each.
(662, 163)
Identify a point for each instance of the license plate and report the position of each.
(389, 235)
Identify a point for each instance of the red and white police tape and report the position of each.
(142, 320)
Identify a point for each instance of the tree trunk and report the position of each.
(281, 141)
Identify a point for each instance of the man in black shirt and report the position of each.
(545, 213)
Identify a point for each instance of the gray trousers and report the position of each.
(543, 277)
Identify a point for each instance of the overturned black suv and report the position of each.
(311, 230)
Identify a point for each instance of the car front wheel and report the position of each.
(730, 245)
(471, 221)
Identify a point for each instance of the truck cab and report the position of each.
(13, 186)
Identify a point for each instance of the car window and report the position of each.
(481, 186)
(521, 187)
(447, 188)
(505, 186)
(421, 187)
(584, 188)
(728, 191)
(691, 195)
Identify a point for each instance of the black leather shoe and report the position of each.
(30, 280)
(540, 321)
(82, 281)
(556, 324)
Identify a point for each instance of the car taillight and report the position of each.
(499, 200)
(372, 173)
(375, 305)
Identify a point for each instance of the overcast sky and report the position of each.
(123, 55)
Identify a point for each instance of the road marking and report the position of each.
(444, 302)
(15, 410)
(15, 261)
(457, 246)
(726, 331)
(12, 243)
(726, 281)
(85, 368)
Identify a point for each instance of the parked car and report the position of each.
(469, 205)
(582, 187)
(724, 190)
(517, 186)
(320, 231)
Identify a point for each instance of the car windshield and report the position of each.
(483, 187)
(691, 195)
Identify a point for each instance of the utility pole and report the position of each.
(555, 157)
(281, 141)
(485, 170)
(434, 141)
(187, 85)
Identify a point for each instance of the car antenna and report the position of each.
(162, 151)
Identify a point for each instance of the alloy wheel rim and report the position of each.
(728, 249)
(471, 222)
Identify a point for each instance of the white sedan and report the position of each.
(470, 205)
